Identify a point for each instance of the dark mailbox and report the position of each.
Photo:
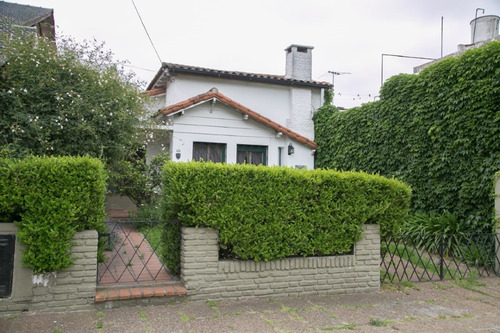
(7, 246)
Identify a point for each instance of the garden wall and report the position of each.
(207, 277)
(71, 289)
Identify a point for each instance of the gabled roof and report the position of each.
(214, 94)
(13, 14)
(168, 69)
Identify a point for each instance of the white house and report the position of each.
(237, 117)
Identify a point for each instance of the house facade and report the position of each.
(237, 117)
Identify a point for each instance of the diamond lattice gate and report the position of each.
(437, 257)
(132, 254)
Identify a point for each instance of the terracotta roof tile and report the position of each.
(155, 92)
(243, 109)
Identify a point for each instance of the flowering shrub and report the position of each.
(69, 100)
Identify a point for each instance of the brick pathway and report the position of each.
(133, 270)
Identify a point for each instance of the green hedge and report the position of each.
(49, 199)
(266, 213)
(438, 131)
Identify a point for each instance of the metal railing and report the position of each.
(131, 252)
(438, 257)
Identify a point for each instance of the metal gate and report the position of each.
(131, 252)
(438, 257)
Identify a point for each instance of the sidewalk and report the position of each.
(467, 306)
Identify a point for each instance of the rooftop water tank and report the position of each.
(484, 28)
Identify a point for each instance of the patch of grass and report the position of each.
(430, 301)
(442, 317)
(142, 315)
(268, 322)
(57, 331)
(470, 283)
(214, 307)
(339, 328)
(440, 286)
(408, 284)
(380, 322)
(153, 234)
(184, 318)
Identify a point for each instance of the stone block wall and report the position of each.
(205, 277)
(71, 289)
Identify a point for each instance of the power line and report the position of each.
(147, 33)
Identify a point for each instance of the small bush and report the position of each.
(49, 199)
(267, 213)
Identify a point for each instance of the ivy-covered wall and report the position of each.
(438, 131)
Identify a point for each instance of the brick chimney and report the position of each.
(298, 62)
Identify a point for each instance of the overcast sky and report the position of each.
(250, 36)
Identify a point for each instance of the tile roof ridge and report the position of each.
(214, 93)
(240, 73)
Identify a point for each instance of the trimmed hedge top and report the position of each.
(51, 198)
(266, 213)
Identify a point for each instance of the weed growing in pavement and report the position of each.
(380, 322)
(340, 328)
(184, 318)
(440, 286)
(214, 307)
(142, 315)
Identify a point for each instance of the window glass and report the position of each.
(215, 152)
(251, 154)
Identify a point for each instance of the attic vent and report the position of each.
(302, 49)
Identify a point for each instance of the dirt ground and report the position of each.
(448, 306)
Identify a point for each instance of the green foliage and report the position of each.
(437, 131)
(50, 199)
(140, 181)
(434, 224)
(171, 246)
(73, 100)
(266, 213)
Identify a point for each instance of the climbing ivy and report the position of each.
(438, 131)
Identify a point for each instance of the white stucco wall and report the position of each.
(276, 102)
(222, 124)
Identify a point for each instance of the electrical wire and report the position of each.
(147, 33)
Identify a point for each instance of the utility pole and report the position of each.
(333, 80)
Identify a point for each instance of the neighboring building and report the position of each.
(484, 29)
(237, 117)
(25, 18)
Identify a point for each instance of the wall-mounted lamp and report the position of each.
(313, 151)
(178, 154)
(245, 117)
(291, 149)
(279, 134)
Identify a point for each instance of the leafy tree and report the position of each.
(73, 99)
(138, 180)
